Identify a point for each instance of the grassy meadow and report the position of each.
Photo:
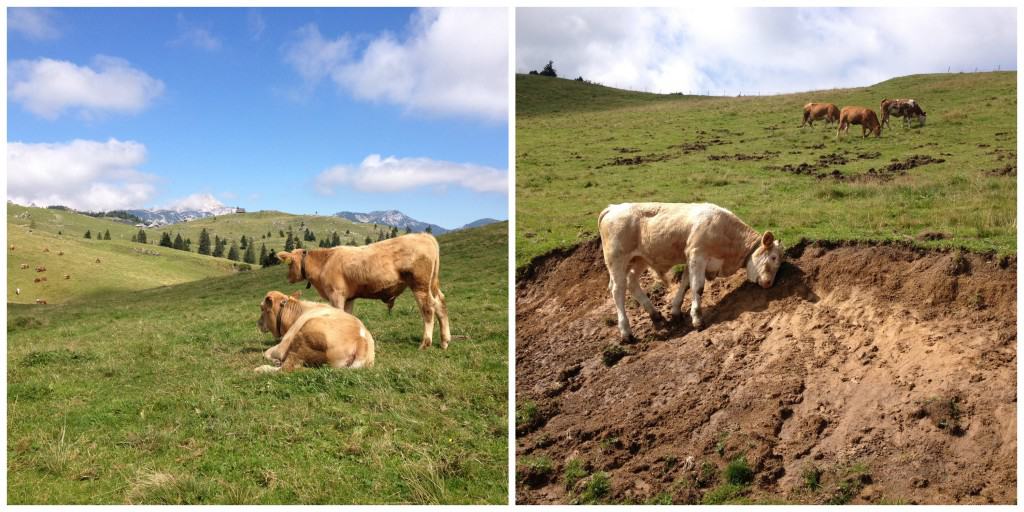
(148, 395)
(582, 146)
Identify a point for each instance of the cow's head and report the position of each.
(765, 261)
(271, 304)
(294, 261)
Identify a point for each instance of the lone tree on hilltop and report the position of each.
(549, 69)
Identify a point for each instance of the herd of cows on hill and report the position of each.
(907, 109)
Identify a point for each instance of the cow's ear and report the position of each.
(767, 239)
(267, 301)
(296, 294)
(283, 256)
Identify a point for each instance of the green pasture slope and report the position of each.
(569, 135)
(149, 397)
(257, 224)
(123, 265)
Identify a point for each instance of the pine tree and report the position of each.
(269, 235)
(142, 236)
(263, 254)
(335, 240)
(179, 243)
(394, 231)
(204, 242)
(250, 255)
(429, 230)
(368, 240)
(245, 243)
(298, 243)
(233, 252)
(218, 247)
(408, 230)
(165, 240)
(289, 244)
(135, 238)
(280, 233)
(188, 244)
(88, 234)
(106, 235)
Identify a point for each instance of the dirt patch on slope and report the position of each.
(886, 173)
(866, 374)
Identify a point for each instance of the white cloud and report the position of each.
(81, 174)
(453, 62)
(33, 23)
(47, 87)
(195, 35)
(769, 50)
(255, 23)
(391, 174)
(205, 202)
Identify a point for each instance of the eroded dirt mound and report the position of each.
(866, 374)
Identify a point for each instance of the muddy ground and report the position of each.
(866, 374)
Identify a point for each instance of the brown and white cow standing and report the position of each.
(816, 111)
(865, 117)
(381, 270)
(709, 239)
(905, 108)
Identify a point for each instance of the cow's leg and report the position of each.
(677, 301)
(426, 304)
(337, 299)
(617, 283)
(633, 281)
(441, 309)
(697, 266)
(267, 369)
(348, 305)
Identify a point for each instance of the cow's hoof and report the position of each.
(628, 339)
(697, 324)
(657, 318)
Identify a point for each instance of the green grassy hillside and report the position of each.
(581, 147)
(123, 265)
(150, 397)
(258, 224)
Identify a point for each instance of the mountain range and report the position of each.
(402, 221)
(156, 218)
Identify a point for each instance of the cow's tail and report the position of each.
(435, 273)
(600, 217)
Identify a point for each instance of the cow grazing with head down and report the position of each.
(382, 271)
(41, 268)
(905, 108)
(24, 266)
(816, 111)
(40, 301)
(865, 117)
(312, 334)
(710, 240)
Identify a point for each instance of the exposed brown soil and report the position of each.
(886, 173)
(885, 372)
(741, 156)
(1006, 170)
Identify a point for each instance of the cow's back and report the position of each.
(381, 270)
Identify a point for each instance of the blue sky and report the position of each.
(300, 110)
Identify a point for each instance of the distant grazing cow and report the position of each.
(37, 280)
(17, 291)
(67, 276)
(24, 265)
(381, 270)
(97, 260)
(41, 268)
(46, 249)
(60, 253)
(40, 301)
(710, 240)
(816, 111)
(865, 117)
(12, 247)
(312, 334)
(906, 108)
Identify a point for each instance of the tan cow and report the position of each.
(312, 334)
(46, 249)
(24, 266)
(67, 276)
(816, 111)
(98, 260)
(41, 268)
(710, 240)
(60, 253)
(865, 117)
(40, 301)
(381, 270)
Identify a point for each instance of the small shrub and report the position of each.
(812, 478)
(738, 471)
(534, 471)
(708, 474)
(527, 415)
(612, 354)
(599, 486)
(573, 472)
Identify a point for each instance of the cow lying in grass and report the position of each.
(312, 334)
(710, 240)
(865, 117)
(816, 111)
(381, 270)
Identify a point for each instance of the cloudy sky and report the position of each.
(300, 110)
(765, 50)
